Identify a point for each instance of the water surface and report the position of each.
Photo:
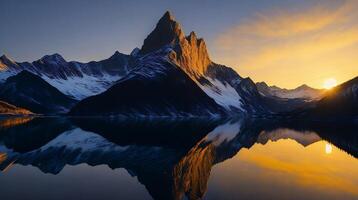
(98, 158)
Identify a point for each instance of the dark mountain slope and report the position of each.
(341, 100)
(156, 88)
(29, 91)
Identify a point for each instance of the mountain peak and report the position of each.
(4, 56)
(168, 15)
(166, 32)
(116, 55)
(6, 63)
(56, 58)
(5, 59)
(304, 86)
(192, 37)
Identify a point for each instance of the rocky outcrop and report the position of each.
(167, 32)
(8, 109)
(189, 53)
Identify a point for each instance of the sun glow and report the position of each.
(329, 83)
(328, 148)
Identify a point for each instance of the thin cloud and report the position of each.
(282, 40)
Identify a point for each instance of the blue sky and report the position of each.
(92, 29)
(236, 32)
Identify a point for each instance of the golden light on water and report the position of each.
(329, 83)
(315, 166)
(328, 148)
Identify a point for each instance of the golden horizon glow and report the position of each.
(328, 148)
(329, 83)
(305, 166)
(289, 48)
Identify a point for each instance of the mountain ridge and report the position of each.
(301, 92)
(31, 92)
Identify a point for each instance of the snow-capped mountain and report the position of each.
(31, 92)
(302, 92)
(170, 75)
(75, 79)
(155, 87)
(169, 58)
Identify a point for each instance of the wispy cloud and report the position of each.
(310, 41)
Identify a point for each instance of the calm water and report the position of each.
(59, 158)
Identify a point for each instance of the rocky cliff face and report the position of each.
(167, 31)
(8, 109)
(189, 53)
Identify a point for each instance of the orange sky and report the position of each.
(291, 47)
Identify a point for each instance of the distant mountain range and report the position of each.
(170, 75)
(302, 92)
(341, 100)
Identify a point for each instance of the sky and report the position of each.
(282, 42)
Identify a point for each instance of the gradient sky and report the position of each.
(285, 43)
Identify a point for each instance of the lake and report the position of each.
(110, 158)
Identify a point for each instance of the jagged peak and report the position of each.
(262, 83)
(192, 36)
(6, 63)
(6, 58)
(116, 55)
(167, 32)
(3, 57)
(135, 51)
(304, 86)
(190, 51)
(53, 58)
(168, 15)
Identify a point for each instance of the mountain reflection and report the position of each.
(173, 159)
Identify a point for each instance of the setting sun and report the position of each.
(329, 83)
(328, 149)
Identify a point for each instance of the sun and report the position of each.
(329, 83)
(328, 148)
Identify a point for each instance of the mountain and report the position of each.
(8, 109)
(31, 92)
(155, 88)
(302, 92)
(339, 101)
(172, 74)
(75, 79)
(304, 138)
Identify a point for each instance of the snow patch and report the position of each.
(82, 87)
(224, 133)
(223, 94)
(86, 141)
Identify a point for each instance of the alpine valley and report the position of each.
(171, 75)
